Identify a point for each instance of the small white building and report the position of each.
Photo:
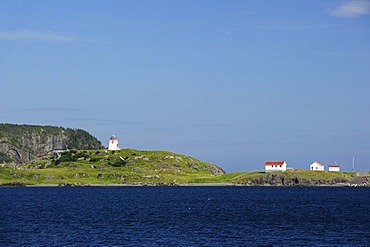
(275, 166)
(334, 168)
(317, 166)
(113, 143)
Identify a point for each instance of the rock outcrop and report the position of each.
(23, 143)
(282, 180)
(361, 179)
(211, 168)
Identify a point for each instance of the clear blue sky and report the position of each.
(231, 82)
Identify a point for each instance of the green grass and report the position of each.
(110, 167)
(135, 166)
(224, 178)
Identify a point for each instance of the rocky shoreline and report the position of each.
(282, 180)
(19, 184)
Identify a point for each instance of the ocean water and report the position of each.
(185, 216)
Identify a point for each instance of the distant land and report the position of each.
(49, 155)
(24, 143)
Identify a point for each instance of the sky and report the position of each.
(234, 83)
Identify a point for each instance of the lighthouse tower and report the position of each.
(113, 143)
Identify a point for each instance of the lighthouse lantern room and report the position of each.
(113, 143)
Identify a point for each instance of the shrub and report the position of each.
(118, 163)
(80, 155)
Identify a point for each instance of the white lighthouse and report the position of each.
(113, 143)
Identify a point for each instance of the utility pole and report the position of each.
(353, 164)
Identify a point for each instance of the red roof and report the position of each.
(318, 162)
(334, 166)
(268, 163)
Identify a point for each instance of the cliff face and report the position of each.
(23, 143)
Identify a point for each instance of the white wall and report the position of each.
(334, 169)
(113, 145)
(275, 168)
(316, 167)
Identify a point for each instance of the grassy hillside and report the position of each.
(111, 167)
(148, 167)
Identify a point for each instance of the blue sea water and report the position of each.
(185, 216)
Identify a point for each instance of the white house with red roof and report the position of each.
(317, 166)
(275, 166)
(334, 167)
